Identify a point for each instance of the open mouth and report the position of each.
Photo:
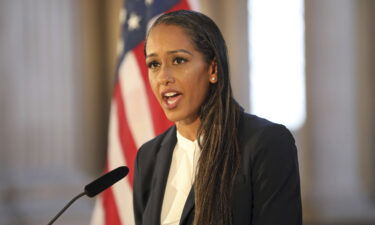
(171, 99)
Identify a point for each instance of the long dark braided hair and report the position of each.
(219, 160)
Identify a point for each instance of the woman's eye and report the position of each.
(152, 64)
(179, 60)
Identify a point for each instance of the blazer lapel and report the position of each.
(187, 213)
(163, 162)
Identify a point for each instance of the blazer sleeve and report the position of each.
(275, 179)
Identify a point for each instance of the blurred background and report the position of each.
(57, 66)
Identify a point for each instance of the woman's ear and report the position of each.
(213, 71)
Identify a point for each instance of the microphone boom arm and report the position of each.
(97, 186)
(67, 206)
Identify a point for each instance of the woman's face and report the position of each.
(178, 73)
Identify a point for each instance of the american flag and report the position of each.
(136, 116)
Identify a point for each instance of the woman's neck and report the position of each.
(189, 130)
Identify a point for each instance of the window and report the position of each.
(277, 62)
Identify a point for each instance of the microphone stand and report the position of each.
(67, 206)
(97, 186)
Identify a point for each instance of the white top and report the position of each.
(180, 179)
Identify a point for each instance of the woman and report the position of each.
(217, 165)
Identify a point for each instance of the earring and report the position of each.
(213, 78)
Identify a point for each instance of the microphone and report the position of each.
(105, 181)
(97, 186)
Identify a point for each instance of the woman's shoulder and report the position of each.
(260, 132)
(253, 124)
(266, 145)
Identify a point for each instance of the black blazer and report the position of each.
(267, 187)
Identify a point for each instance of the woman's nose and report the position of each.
(165, 75)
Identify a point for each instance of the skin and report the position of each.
(176, 66)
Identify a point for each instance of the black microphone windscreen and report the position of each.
(105, 181)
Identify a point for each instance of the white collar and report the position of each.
(186, 143)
